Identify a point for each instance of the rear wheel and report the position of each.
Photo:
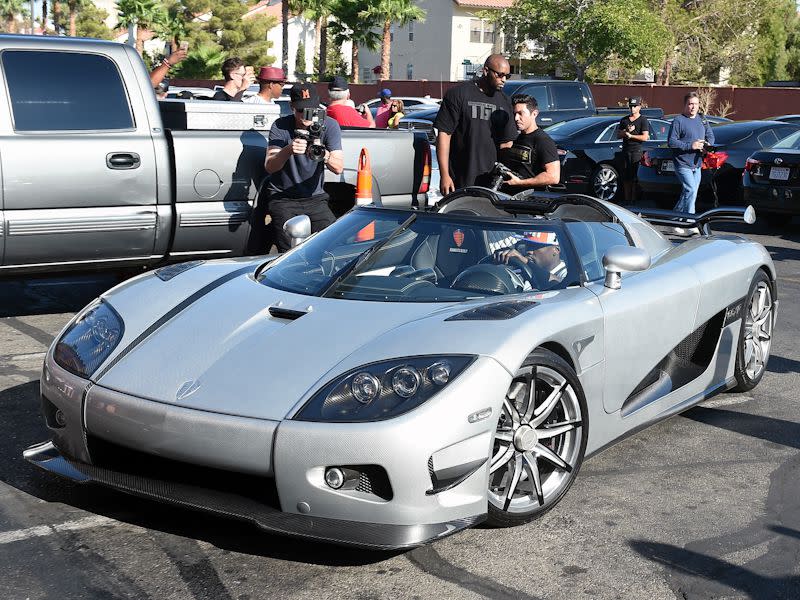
(539, 442)
(605, 182)
(755, 338)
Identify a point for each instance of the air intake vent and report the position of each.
(498, 311)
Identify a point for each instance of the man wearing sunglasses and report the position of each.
(475, 120)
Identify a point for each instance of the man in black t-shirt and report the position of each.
(633, 130)
(533, 156)
(473, 122)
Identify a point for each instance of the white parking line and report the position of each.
(7, 537)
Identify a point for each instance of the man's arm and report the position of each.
(277, 157)
(506, 144)
(550, 176)
(709, 136)
(368, 118)
(158, 74)
(673, 140)
(446, 184)
(335, 162)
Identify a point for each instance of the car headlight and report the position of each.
(89, 340)
(383, 390)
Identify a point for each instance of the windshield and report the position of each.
(406, 256)
(791, 142)
(568, 128)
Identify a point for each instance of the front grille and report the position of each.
(373, 480)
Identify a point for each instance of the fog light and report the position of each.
(61, 420)
(334, 477)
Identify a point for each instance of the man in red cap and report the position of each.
(270, 84)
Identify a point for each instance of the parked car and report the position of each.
(734, 142)
(771, 180)
(590, 153)
(714, 120)
(136, 181)
(409, 102)
(787, 118)
(455, 389)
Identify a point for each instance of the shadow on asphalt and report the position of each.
(778, 431)
(780, 364)
(22, 426)
(57, 294)
(715, 570)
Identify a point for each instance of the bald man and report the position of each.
(475, 120)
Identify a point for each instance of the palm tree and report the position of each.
(144, 14)
(351, 26)
(401, 12)
(204, 62)
(172, 26)
(9, 9)
(73, 6)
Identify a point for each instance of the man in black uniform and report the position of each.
(295, 183)
(473, 122)
(633, 130)
(533, 157)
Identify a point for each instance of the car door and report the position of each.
(570, 101)
(644, 320)
(79, 171)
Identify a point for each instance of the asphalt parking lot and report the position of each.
(704, 505)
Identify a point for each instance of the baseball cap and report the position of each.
(635, 101)
(538, 239)
(339, 84)
(385, 93)
(304, 95)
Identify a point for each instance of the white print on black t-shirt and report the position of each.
(482, 110)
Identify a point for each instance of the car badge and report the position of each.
(187, 389)
(778, 161)
(458, 237)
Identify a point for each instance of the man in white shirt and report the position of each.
(270, 83)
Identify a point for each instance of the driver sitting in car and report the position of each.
(539, 255)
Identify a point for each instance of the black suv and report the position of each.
(558, 100)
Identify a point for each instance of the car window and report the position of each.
(767, 138)
(84, 92)
(539, 92)
(792, 141)
(592, 241)
(658, 130)
(609, 133)
(567, 97)
(782, 132)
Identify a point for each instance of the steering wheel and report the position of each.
(523, 266)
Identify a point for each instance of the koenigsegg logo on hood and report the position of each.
(187, 389)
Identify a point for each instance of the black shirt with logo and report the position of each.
(636, 127)
(478, 123)
(528, 155)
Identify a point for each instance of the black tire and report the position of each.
(530, 473)
(755, 337)
(605, 183)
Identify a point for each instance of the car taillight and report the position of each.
(426, 171)
(714, 160)
(645, 161)
(751, 164)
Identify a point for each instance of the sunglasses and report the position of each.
(498, 74)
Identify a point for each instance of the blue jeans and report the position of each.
(690, 183)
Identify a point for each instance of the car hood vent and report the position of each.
(499, 311)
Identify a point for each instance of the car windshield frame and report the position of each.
(316, 267)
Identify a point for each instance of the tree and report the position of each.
(9, 9)
(89, 22)
(73, 7)
(351, 26)
(173, 25)
(401, 12)
(203, 62)
(299, 58)
(145, 14)
(245, 38)
(586, 33)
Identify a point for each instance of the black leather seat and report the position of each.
(449, 253)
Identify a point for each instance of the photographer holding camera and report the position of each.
(301, 146)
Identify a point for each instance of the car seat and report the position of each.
(449, 253)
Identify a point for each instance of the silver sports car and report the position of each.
(402, 374)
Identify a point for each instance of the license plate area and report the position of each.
(667, 166)
(779, 173)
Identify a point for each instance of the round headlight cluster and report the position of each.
(405, 381)
(365, 387)
(439, 372)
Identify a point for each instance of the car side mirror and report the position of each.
(623, 258)
(298, 229)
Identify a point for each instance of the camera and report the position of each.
(313, 135)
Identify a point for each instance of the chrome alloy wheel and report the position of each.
(605, 182)
(538, 443)
(758, 324)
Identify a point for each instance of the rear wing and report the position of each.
(672, 218)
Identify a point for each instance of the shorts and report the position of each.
(630, 166)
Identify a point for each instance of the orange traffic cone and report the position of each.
(364, 179)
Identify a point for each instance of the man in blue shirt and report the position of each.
(688, 136)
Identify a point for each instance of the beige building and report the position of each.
(450, 45)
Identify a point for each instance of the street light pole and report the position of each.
(33, 25)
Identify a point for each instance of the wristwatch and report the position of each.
(327, 157)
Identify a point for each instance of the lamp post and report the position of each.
(33, 22)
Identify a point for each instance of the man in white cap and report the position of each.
(540, 251)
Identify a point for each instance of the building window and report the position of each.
(410, 32)
(391, 33)
(409, 71)
(475, 31)
(488, 32)
(366, 74)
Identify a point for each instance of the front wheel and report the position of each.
(755, 338)
(539, 442)
(605, 182)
